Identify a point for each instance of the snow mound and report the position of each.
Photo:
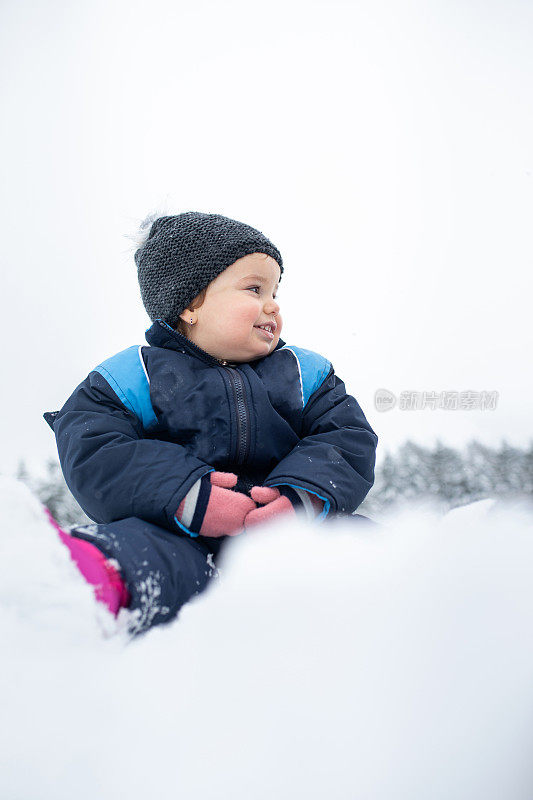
(43, 602)
(341, 661)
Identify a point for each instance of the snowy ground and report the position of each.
(335, 662)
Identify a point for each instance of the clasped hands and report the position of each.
(230, 512)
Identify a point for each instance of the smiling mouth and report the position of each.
(265, 331)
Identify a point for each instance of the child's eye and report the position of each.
(258, 287)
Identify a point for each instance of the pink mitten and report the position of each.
(285, 502)
(211, 508)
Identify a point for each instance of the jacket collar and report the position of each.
(160, 334)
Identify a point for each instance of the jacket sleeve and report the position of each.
(113, 470)
(336, 455)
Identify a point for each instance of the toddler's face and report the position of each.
(236, 303)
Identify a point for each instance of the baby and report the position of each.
(214, 427)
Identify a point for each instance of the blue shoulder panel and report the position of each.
(312, 367)
(126, 374)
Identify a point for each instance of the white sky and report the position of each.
(385, 148)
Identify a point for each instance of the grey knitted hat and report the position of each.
(184, 253)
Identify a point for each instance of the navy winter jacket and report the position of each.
(148, 422)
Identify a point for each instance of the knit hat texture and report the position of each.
(184, 253)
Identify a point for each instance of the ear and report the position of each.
(188, 314)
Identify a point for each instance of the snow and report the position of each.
(335, 660)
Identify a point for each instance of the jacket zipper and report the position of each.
(243, 427)
(239, 395)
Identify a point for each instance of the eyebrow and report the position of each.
(256, 278)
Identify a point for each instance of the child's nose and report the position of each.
(271, 307)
